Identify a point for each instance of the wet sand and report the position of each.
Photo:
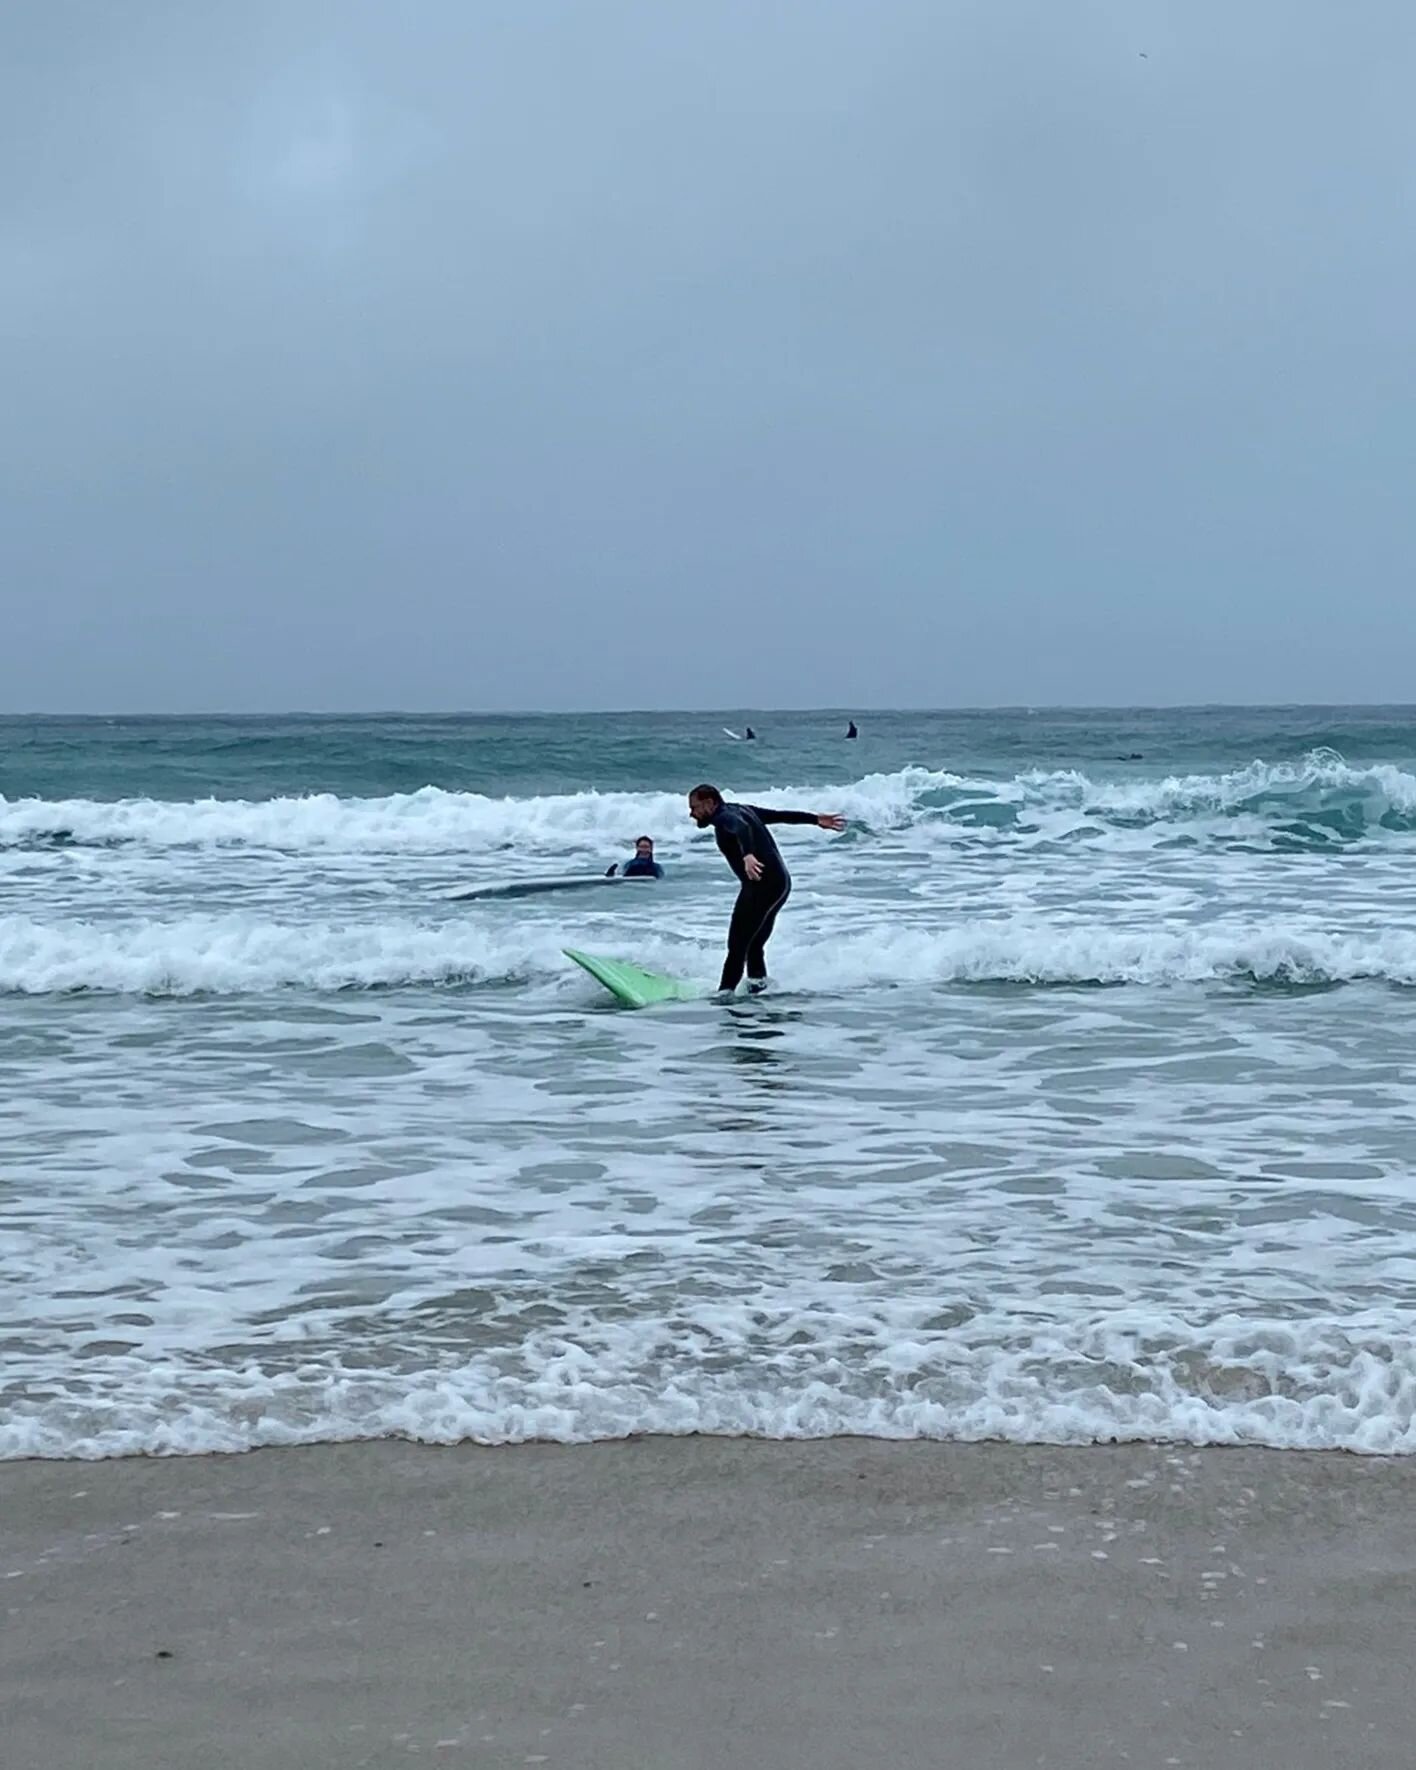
(700, 1604)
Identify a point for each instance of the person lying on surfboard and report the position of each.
(764, 882)
(643, 866)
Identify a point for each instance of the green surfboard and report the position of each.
(630, 985)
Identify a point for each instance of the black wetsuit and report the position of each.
(742, 830)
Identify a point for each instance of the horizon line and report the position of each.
(860, 709)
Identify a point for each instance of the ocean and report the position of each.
(1082, 1108)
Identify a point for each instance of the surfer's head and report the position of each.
(704, 804)
(644, 847)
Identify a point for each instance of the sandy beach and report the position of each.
(696, 1604)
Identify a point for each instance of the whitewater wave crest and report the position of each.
(1318, 1385)
(240, 955)
(1320, 801)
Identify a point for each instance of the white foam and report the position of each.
(429, 821)
(246, 954)
(435, 821)
(1323, 1385)
(1382, 786)
(237, 955)
(1030, 950)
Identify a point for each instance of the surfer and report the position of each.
(749, 735)
(851, 731)
(643, 866)
(764, 882)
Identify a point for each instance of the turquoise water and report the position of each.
(369, 756)
(1082, 1106)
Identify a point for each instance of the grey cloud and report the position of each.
(565, 355)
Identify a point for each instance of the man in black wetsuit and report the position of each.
(765, 884)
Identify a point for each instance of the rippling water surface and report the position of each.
(1083, 1106)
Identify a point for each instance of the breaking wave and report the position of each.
(1319, 802)
(240, 955)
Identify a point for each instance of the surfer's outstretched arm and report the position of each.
(824, 820)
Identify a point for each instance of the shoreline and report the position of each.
(657, 1603)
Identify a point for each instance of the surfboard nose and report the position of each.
(629, 984)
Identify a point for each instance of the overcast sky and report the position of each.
(589, 354)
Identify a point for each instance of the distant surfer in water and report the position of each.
(764, 882)
(749, 735)
(643, 866)
(851, 731)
